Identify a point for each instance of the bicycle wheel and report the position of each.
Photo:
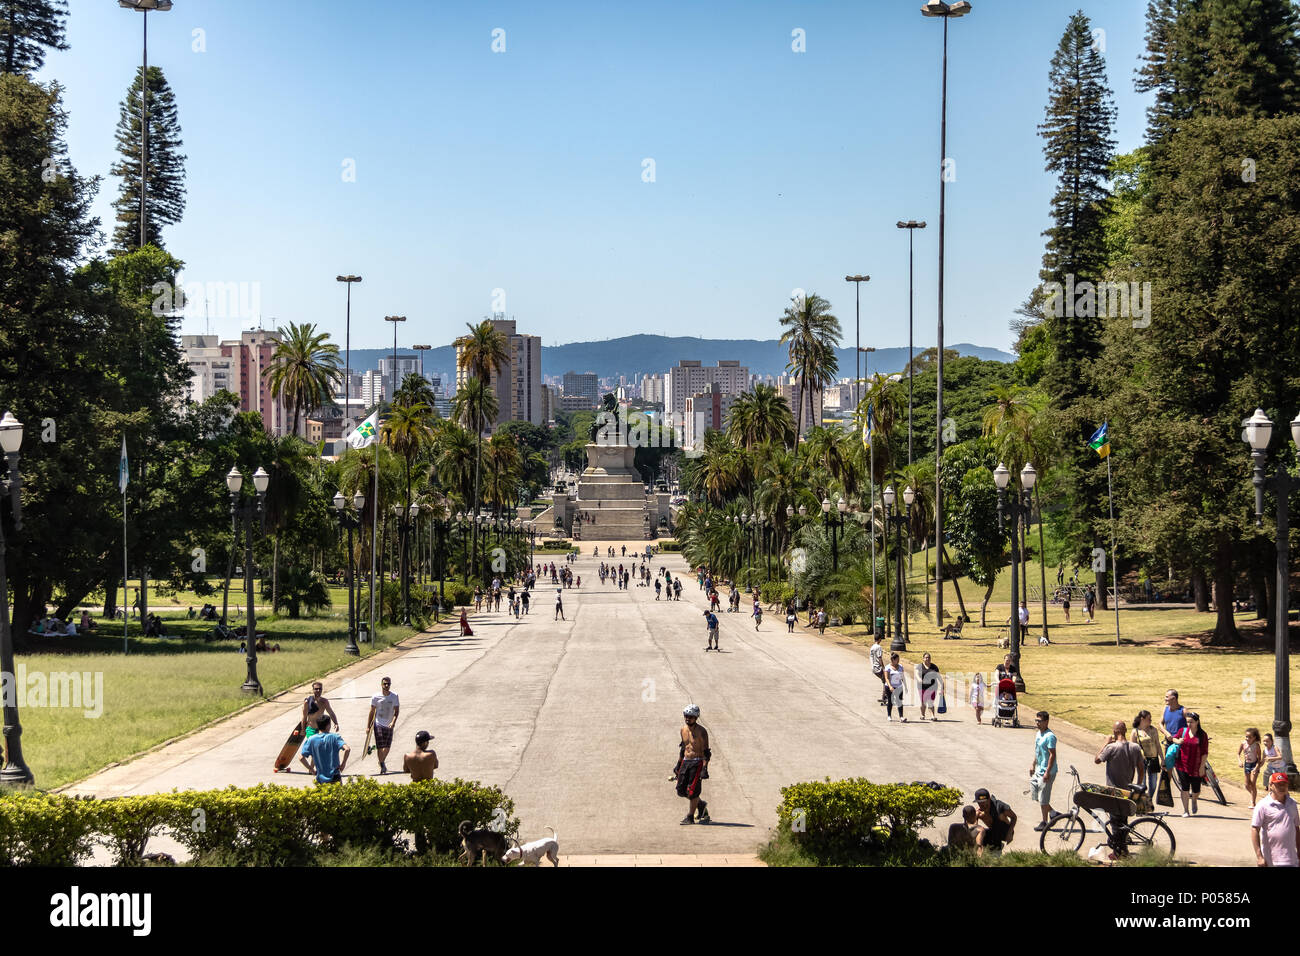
(1063, 833)
(1150, 833)
(1213, 780)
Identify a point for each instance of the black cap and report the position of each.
(423, 736)
(981, 792)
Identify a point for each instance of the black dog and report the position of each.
(474, 843)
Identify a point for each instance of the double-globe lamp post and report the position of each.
(15, 772)
(834, 525)
(404, 517)
(1259, 431)
(246, 509)
(898, 522)
(1011, 508)
(350, 519)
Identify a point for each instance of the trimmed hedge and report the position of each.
(265, 825)
(777, 592)
(857, 820)
(668, 544)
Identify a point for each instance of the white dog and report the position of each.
(531, 853)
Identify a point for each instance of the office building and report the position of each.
(518, 384)
(705, 410)
(688, 378)
(583, 384)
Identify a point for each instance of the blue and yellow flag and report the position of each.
(868, 427)
(1100, 440)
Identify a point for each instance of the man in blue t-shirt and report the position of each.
(320, 753)
(711, 621)
(1042, 772)
(1174, 720)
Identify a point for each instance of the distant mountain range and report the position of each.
(636, 355)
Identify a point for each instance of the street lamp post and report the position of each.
(946, 11)
(144, 6)
(1258, 432)
(898, 522)
(243, 511)
(347, 351)
(911, 225)
(421, 349)
(835, 524)
(1010, 509)
(350, 520)
(15, 772)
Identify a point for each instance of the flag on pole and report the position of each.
(366, 433)
(123, 475)
(869, 427)
(1100, 440)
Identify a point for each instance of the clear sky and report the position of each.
(523, 170)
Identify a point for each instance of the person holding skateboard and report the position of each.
(421, 762)
(320, 753)
(383, 720)
(313, 707)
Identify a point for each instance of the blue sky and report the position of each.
(522, 170)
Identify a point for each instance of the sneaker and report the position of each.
(1193, 809)
(687, 819)
(1041, 827)
(702, 814)
(1054, 815)
(890, 718)
(1186, 814)
(903, 719)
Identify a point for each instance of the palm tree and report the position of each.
(414, 389)
(303, 369)
(1011, 421)
(482, 354)
(407, 430)
(811, 333)
(507, 464)
(454, 460)
(761, 416)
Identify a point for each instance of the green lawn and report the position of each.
(162, 689)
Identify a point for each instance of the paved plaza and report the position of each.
(577, 720)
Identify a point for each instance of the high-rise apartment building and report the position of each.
(705, 410)
(652, 388)
(687, 378)
(212, 369)
(518, 384)
(792, 392)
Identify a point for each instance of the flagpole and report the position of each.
(1114, 562)
(374, 542)
(123, 478)
(871, 481)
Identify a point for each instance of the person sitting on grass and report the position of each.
(967, 834)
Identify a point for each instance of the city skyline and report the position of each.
(537, 202)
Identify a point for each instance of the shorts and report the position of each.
(1040, 789)
(383, 736)
(690, 778)
(1187, 782)
(312, 732)
(1250, 768)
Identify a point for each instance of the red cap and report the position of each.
(1279, 777)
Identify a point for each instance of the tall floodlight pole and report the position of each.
(347, 351)
(421, 349)
(938, 8)
(857, 334)
(911, 225)
(144, 6)
(394, 319)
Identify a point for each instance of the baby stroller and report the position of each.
(1006, 710)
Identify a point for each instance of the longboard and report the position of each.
(365, 749)
(291, 747)
(1213, 780)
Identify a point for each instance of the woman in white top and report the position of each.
(894, 678)
(977, 696)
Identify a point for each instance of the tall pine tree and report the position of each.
(27, 29)
(166, 164)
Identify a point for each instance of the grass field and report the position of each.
(162, 689)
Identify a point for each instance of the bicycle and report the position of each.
(1067, 832)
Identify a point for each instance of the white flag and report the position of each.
(122, 471)
(365, 434)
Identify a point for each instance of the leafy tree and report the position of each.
(28, 29)
(165, 162)
(978, 543)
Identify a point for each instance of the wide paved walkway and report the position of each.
(578, 721)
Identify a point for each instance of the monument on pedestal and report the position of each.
(611, 491)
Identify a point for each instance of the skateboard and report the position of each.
(365, 749)
(291, 747)
(1213, 780)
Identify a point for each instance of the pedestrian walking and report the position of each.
(693, 764)
(523, 598)
(1174, 719)
(1275, 825)
(1144, 735)
(1089, 601)
(757, 614)
(1065, 606)
(1042, 772)
(927, 680)
(1193, 749)
(384, 708)
(894, 696)
(315, 705)
(978, 695)
(1249, 757)
(791, 618)
(559, 605)
(659, 585)
(1273, 762)
(711, 624)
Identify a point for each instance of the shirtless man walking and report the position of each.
(693, 764)
(313, 707)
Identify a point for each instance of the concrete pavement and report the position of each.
(577, 720)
